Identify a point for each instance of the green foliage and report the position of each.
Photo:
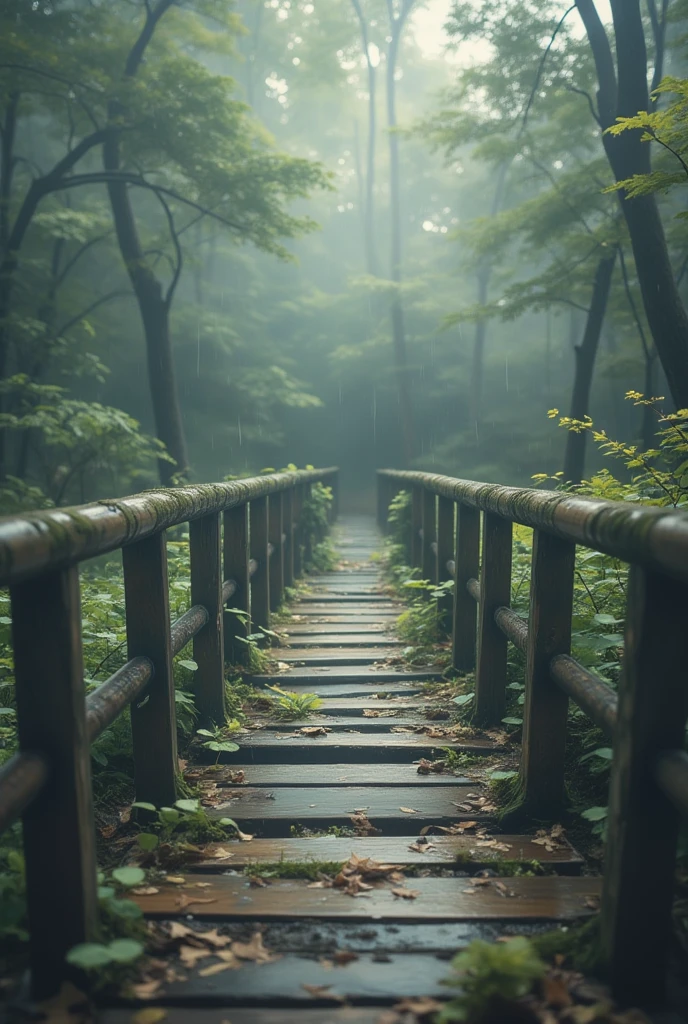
(293, 706)
(667, 126)
(489, 975)
(398, 542)
(187, 820)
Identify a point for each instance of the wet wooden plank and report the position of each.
(281, 981)
(356, 707)
(304, 804)
(297, 640)
(363, 689)
(349, 723)
(441, 850)
(553, 897)
(271, 747)
(331, 656)
(325, 775)
(263, 1015)
(354, 673)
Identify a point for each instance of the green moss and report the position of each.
(580, 944)
(309, 869)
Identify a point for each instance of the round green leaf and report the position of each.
(188, 663)
(595, 813)
(228, 822)
(147, 841)
(144, 806)
(88, 955)
(129, 876)
(125, 908)
(190, 806)
(169, 815)
(124, 950)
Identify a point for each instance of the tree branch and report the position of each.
(63, 328)
(177, 248)
(541, 67)
(604, 61)
(582, 92)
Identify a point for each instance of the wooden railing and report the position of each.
(247, 542)
(646, 719)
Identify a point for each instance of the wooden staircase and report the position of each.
(366, 936)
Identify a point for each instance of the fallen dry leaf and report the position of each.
(257, 882)
(178, 930)
(254, 950)
(183, 901)
(419, 847)
(190, 955)
(408, 810)
(228, 965)
(151, 1015)
(176, 879)
(406, 894)
(323, 992)
(244, 836)
(146, 890)
(342, 957)
(420, 1006)
(147, 989)
(213, 938)
(218, 853)
(314, 730)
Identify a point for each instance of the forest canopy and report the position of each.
(357, 232)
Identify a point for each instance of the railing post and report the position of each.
(642, 824)
(546, 706)
(429, 516)
(334, 507)
(307, 532)
(276, 530)
(467, 567)
(386, 490)
(445, 552)
(495, 590)
(206, 588)
(153, 722)
(59, 840)
(297, 533)
(260, 581)
(288, 528)
(235, 560)
(416, 526)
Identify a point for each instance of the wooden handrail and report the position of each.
(646, 719)
(48, 781)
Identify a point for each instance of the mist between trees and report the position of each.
(236, 236)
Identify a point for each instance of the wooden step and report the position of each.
(316, 656)
(352, 723)
(342, 674)
(350, 690)
(553, 897)
(389, 775)
(300, 641)
(441, 851)
(263, 1015)
(273, 747)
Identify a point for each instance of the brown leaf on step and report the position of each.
(217, 853)
(425, 829)
(502, 889)
(343, 957)
(175, 879)
(207, 972)
(369, 713)
(183, 901)
(244, 836)
(421, 847)
(408, 810)
(145, 890)
(552, 839)
(177, 930)
(421, 1006)
(254, 950)
(213, 938)
(314, 730)
(363, 826)
(190, 955)
(406, 894)
(323, 992)
(555, 991)
(257, 882)
(323, 883)
(147, 989)
(592, 902)
(151, 1015)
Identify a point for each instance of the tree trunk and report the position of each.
(155, 319)
(629, 156)
(397, 310)
(585, 355)
(475, 399)
(369, 208)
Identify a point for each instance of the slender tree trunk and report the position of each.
(369, 237)
(585, 355)
(154, 306)
(397, 309)
(155, 319)
(629, 156)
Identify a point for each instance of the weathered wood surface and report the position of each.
(328, 775)
(440, 851)
(344, 674)
(268, 746)
(317, 656)
(554, 898)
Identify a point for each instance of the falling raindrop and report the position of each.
(506, 372)
(239, 426)
(198, 352)
(374, 415)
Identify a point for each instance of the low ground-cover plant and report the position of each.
(293, 706)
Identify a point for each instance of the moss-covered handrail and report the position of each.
(654, 537)
(248, 540)
(35, 542)
(461, 531)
